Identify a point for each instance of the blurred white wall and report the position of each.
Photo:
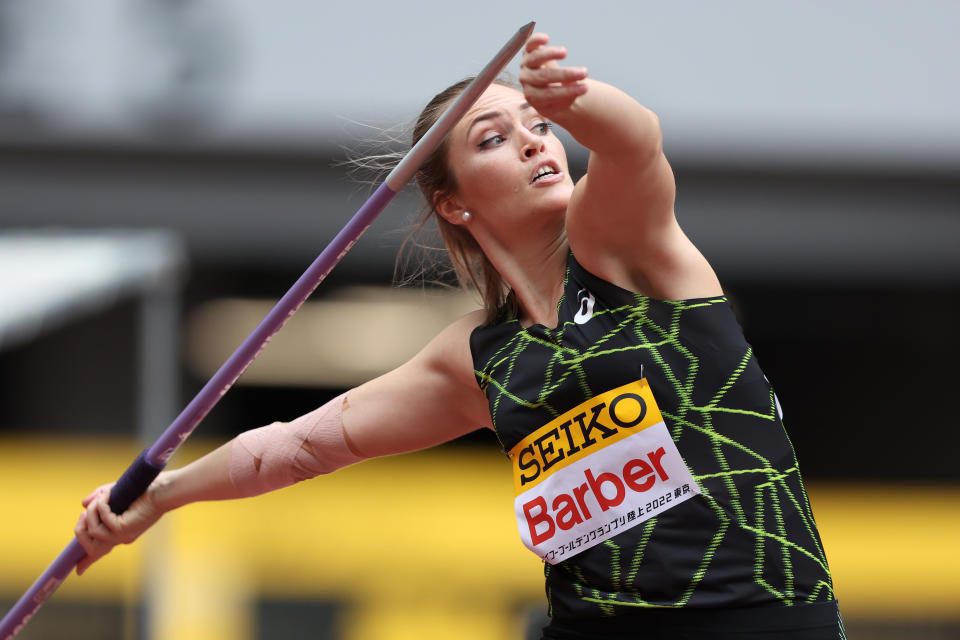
(828, 83)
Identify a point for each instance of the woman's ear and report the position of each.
(449, 208)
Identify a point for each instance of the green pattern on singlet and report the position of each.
(758, 541)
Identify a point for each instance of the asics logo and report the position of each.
(585, 301)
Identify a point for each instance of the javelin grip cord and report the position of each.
(151, 462)
(132, 483)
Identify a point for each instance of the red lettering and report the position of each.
(567, 514)
(636, 469)
(579, 493)
(596, 485)
(570, 509)
(534, 520)
(654, 457)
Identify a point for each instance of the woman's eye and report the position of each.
(543, 128)
(492, 141)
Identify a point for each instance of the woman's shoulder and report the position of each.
(465, 324)
(450, 349)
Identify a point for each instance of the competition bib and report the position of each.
(601, 468)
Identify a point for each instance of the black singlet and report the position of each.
(750, 539)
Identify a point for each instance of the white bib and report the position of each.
(601, 468)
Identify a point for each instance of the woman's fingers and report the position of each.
(546, 84)
(544, 100)
(96, 492)
(95, 549)
(99, 529)
(94, 527)
(96, 530)
(533, 50)
(80, 530)
(84, 564)
(544, 56)
(90, 498)
(537, 54)
(112, 522)
(547, 76)
(101, 523)
(538, 39)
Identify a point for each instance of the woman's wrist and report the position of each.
(160, 492)
(207, 478)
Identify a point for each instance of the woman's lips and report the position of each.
(546, 178)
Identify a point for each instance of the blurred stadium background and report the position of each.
(168, 168)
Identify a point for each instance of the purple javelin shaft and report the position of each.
(223, 379)
(145, 468)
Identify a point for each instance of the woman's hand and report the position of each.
(548, 87)
(99, 529)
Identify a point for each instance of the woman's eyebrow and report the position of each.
(492, 115)
(488, 115)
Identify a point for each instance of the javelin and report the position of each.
(151, 462)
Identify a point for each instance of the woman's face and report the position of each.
(510, 169)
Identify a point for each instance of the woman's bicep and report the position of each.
(621, 203)
(622, 227)
(428, 400)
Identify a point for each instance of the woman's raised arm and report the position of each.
(620, 221)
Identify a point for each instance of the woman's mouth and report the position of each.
(545, 174)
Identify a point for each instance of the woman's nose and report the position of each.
(532, 146)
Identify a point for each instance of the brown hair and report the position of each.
(434, 178)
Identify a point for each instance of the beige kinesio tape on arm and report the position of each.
(282, 453)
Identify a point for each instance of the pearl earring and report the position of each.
(466, 217)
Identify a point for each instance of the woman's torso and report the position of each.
(748, 539)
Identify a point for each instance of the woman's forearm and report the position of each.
(261, 460)
(607, 120)
(207, 478)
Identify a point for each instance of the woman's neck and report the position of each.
(536, 277)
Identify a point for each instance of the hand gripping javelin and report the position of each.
(148, 464)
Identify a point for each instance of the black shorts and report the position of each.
(819, 621)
